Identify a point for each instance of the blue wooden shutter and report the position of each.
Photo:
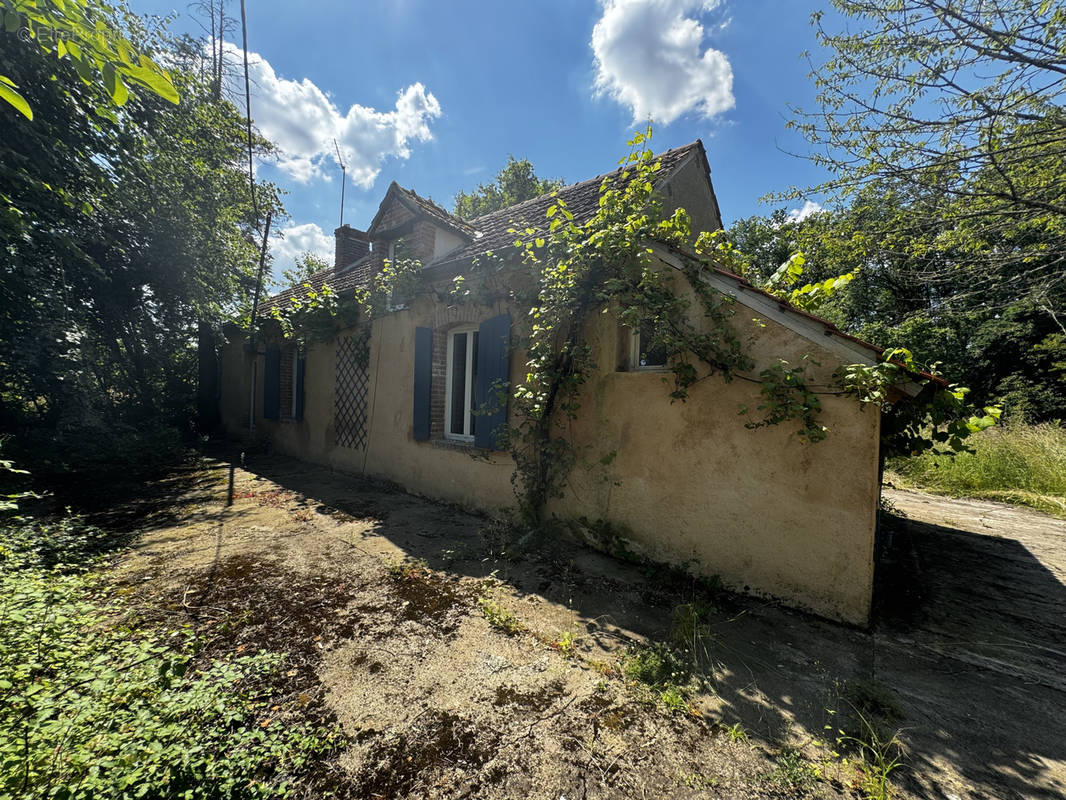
(493, 376)
(423, 378)
(272, 383)
(298, 386)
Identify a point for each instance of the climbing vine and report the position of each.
(606, 264)
(316, 314)
(939, 417)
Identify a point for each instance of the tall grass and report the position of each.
(1017, 463)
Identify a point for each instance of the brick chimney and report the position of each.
(352, 244)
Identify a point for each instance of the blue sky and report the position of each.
(435, 95)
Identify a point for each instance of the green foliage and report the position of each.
(944, 128)
(513, 184)
(304, 269)
(737, 733)
(102, 445)
(937, 417)
(661, 673)
(690, 633)
(317, 314)
(793, 771)
(92, 705)
(810, 296)
(959, 105)
(605, 264)
(10, 480)
(786, 396)
(941, 416)
(1016, 463)
(565, 643)
(84, 34)
(655, 666)
(500, 617)
(120, 238)
(879, 754)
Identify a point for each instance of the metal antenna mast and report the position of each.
(344, 172)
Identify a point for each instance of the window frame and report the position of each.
(468, 384)
(634, 355)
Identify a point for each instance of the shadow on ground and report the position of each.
(969, 642)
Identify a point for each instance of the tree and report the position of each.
(956, 107)
(83, 34)
(121, 237)
(513, 184)
(304, 267)
(1007, 348)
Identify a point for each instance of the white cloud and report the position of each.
(800, 214)
(650, 57)
(295, 240)
(303, 121)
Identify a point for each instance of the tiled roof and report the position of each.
(487, 232)
(436, 213)
(582, 200)
(348, 278)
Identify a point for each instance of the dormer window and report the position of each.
(398, 250)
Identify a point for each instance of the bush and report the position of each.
(92, 705)
(91, 444)
(1016, 463)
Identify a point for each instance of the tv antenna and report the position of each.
(344, 172)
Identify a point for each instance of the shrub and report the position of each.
(93, 706)
(93, 444)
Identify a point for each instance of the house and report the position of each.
(683, 482)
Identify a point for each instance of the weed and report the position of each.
(655, 666)
(408, 570)
(606, 669)
(499, 617)
(691, 632)
(886, 506)
(697, 781)
(736, 733)
(673, 697)
(565, 643)
(793, 771)
(659, 669)
(97, 704)
(879, 754)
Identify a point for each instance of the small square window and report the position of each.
(644, 354)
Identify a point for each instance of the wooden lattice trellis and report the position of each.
(353, 381)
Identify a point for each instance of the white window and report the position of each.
(644, 354)
(459, 418)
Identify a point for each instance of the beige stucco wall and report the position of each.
(761, 509)
(689, 484)
(440, 470)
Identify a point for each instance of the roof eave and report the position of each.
(820, 331)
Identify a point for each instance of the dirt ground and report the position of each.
(463, 663)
